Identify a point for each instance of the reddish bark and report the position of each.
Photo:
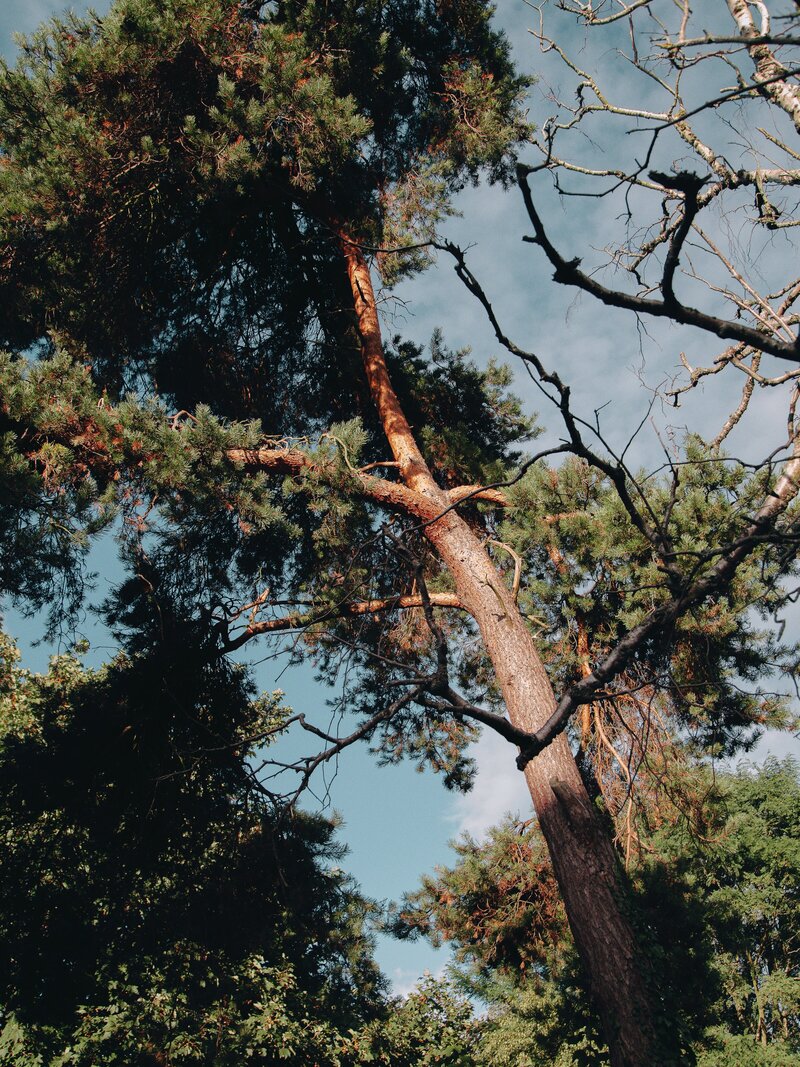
(583, 858)
(298, 619)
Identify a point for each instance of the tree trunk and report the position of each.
(583, 858)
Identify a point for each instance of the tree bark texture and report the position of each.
(775, 78)
(583, 857)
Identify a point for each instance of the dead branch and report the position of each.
(568, 272)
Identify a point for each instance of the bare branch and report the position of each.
(450, 701)
(615, 471)
(482, 493)
(586, 12)
(771, 75)
(306, 767)
(694, 42)
(568, 272)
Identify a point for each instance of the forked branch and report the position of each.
(568, 272)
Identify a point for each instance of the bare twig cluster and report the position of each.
(712, 157)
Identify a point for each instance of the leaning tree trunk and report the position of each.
(583, 858)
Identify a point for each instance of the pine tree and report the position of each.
(193, 198)
(717, 893)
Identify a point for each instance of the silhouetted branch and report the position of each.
(568, 272)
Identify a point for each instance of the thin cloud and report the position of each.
(499, 789)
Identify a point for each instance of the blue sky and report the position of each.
(396, 822)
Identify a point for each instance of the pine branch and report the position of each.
(351, 609)
(661, 618)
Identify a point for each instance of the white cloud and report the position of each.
(499, 788)
(405, 981)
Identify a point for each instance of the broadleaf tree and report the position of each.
(156, 907)
(193, 200)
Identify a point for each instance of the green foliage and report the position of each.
(174, 171)
(447, 396)
(178, 178)
(154, 907)
(718, 911)
(74, 462)
(432, 1026)
(747, 876)
(542, 1023)
(176, 175)
(150, 897)
(588, 571)
(51, 502)
(500, 910)
(197, 529)
(732, 1050)
(499, 905)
